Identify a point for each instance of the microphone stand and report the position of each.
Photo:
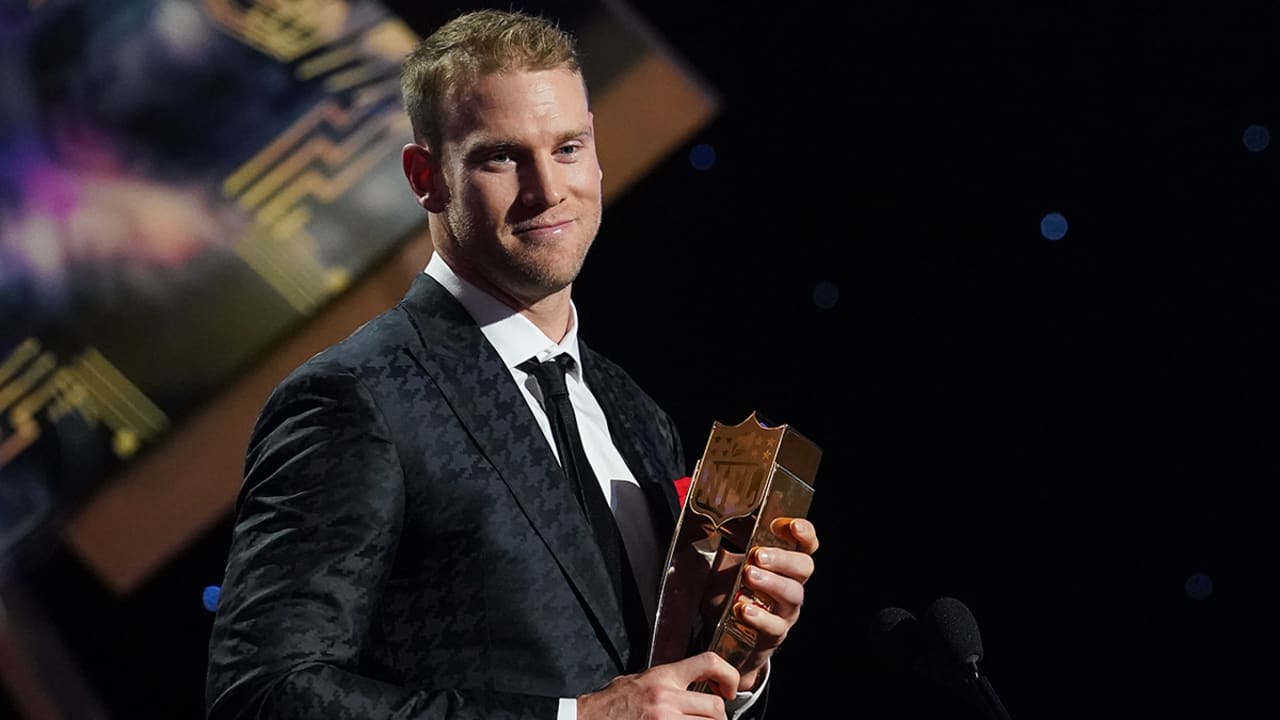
(986, 694)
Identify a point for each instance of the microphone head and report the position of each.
(895, 639)
(903, 645)
(952, 625)
(889, 618)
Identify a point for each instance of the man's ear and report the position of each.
(424, 177)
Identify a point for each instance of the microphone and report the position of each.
(895, 640)
(953, 632)
(898, 642)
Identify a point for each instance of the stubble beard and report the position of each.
(526, 276)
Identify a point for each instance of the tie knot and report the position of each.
(550, 374)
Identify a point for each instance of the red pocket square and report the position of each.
(682, 488)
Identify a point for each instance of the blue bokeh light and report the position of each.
(1257, 138)
(1199, 586)
(210, 597)
(1053, 226)
(826, 295)
(702, 156)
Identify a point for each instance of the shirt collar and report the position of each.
(513, 335)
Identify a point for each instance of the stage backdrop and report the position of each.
(184, 184)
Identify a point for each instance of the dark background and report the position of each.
(1058, 433)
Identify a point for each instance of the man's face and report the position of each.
(524, 184)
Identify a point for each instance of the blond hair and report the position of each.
(473, 44)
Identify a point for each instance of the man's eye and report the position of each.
(500, 158)
(570, 150)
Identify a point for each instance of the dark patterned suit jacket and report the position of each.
(405, 544)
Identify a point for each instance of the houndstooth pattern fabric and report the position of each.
(405, 545)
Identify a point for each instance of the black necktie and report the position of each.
(573, 460)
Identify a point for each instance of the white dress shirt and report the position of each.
(517, 339)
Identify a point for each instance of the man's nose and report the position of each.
(541, 185)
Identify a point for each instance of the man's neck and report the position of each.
(551, 314)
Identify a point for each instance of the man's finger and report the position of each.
(710, 668)
(798, 530)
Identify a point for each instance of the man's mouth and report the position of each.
(542, 230)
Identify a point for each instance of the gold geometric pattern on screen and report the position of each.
(32, 383)
(329, 149)
(283, 29)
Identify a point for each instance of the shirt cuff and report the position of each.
(568, 708)
(744, 700)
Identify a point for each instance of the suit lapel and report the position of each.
(477, 385)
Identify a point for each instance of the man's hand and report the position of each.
(778, 577)
(663, 691)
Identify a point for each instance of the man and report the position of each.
(407, 543)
